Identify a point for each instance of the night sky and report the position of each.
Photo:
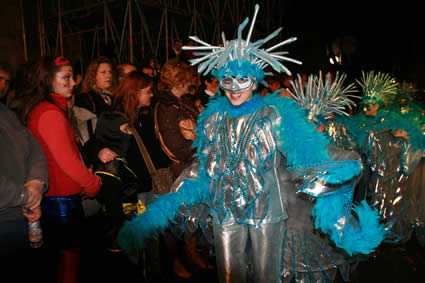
(386, 36)
(373, 34)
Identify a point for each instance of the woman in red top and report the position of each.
(43, 109)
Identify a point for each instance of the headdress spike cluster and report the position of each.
(324, 97)
(378, 88)
(242, 50)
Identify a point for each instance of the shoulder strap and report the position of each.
(161, 140)
(143, 151)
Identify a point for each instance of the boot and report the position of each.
(69, 265)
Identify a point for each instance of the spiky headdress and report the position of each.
(240, 56)
(378, 88)
(323, 98)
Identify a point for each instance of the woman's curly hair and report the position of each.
(90, 77)
(174, 73)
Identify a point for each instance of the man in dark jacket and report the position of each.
(23, 180)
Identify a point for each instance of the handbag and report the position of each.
(122, 184)
(162, 179)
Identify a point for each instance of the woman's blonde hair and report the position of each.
(174, 73)
(90, 77)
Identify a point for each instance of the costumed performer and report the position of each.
(392, 144)
(253, 154)
(325, 99)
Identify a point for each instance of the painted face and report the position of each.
(104, 76)
(236, 83)
(239, 98)
(63, 82)
(145, 95)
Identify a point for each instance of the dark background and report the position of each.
(376, 35)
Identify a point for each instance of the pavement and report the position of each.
(389, 263)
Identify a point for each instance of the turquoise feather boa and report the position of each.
(356, 236)
(387, 118)
(302, 145)
(158, 215)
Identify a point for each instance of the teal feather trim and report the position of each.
(156, 219)
(341, 172)
(300, 142)
(356, 236)
(412, 122)
(369, 234)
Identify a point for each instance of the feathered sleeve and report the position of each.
(160, 213)
(297, 139)
(330, 175)
(305, 148)
(190, 188)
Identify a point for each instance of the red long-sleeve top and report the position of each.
(67, 173)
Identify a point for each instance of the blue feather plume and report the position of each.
(156, 219)
(300, 142)
(355, 236)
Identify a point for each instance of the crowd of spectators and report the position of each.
(70, 139)
(70, 150)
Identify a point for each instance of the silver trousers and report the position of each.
(248, 254)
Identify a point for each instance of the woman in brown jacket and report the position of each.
(176, 114)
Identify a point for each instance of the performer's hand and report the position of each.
(401, 134)
(105, 155)
(373, 110)
(321, 128)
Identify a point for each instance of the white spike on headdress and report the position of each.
(242, 50)
(324, 97)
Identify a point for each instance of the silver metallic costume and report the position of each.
(264, 179)
(252, 194)
(395, 182)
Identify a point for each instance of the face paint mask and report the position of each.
(236, 84)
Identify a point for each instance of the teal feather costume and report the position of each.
(306, 155)
(259, 167)
(395, 165)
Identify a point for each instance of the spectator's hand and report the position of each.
(105, 155)
(35, 193)
(34, 216)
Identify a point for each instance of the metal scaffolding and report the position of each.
(137, 30)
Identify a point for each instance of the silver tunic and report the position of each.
(250, 184)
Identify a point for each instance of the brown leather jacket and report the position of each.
(176, 121)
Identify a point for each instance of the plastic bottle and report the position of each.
(35, 234)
